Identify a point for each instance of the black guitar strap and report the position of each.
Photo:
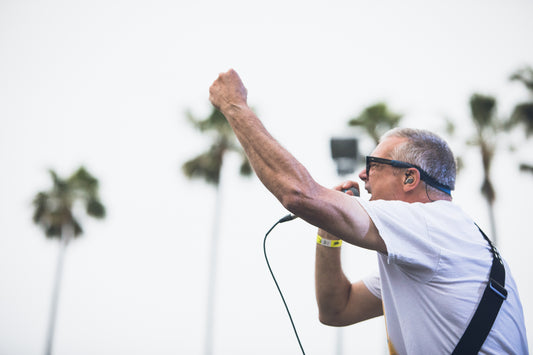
(488, 308)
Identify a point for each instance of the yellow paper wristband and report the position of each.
(328, 243)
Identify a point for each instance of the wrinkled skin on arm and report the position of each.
(285, 177)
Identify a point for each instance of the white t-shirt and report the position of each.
(433, 277)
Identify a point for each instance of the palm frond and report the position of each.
(215, 122)
(53, 208)
(376, 120)
(208, 165)
(523, 114)
(246, 168)
(95, 208)
(528, 168)
(483, 110)
(524, 75)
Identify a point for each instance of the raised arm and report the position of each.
(285, 177)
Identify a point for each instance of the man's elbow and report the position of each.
(292, 201)
(334, 319)
(298, 199)
(328, 320)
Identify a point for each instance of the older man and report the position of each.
(433, 261)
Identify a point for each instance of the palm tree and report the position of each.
(54, 213)
(376, 120)
(208, 166)
(483, 110)
(523, 112)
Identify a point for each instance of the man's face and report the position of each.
(383, 182)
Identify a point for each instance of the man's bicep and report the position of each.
(359, 228)
(340, 215)
(362, 304)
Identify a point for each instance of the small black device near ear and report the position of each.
(409, 180)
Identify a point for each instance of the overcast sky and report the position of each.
(107, 83)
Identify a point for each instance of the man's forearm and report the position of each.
(277, 169)
(331, 285)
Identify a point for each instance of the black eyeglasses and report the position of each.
(401, 164)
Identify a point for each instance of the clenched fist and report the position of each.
(228, 91)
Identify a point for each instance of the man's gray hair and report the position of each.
(426, 150)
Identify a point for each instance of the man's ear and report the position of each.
(412, 179)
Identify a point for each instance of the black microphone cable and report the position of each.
(287, 218)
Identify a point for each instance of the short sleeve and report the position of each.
(403, 228)
(373, 284)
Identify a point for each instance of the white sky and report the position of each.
(106, 84)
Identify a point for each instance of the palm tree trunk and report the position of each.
(339, 342)
(66, 233)
(211, 287)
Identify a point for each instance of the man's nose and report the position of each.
(362, 175)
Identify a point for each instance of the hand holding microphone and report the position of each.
(348, 187)
(353, 190)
